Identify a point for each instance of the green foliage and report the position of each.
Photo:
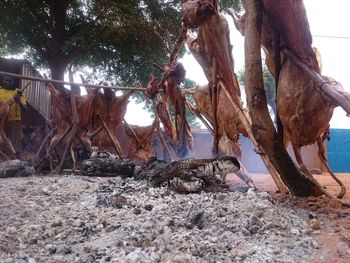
(118, 38)
(225, 4)
(42, 28)
(135, 40)
(192, 119)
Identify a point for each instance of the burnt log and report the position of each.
(107, 167)
(15, 168)
(150, 168)
(190, 176)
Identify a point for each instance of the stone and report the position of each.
(263, 195)
(149, 207)
(136, 211)
(56, 223)
(118, 201)
(262, 204)
(335, 203)
(99, 226)
(51, 249)
(78, 223)
(221, 197)
(251, 192)
(312, 216)
(315, 224)
(134, 256)
(110, 228)
(295, 231)
(314, 244)
(66, 250)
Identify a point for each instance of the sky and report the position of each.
(326, 18)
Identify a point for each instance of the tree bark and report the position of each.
(58, 67)
(262, 126)
(58, 60)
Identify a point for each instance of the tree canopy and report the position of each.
(118, 38)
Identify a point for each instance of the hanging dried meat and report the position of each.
(303, 108)
(62, 117)
(108, 113)
(212, 49)
(173, 75)
(140, 149)
(162, 109)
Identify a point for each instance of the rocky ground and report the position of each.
(90, 219)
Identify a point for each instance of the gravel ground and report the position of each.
(89, 219)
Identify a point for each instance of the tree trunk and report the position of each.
(57, 71)
(58, 61)
(262, 125)
(58, 67)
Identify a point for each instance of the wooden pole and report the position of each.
(90, 135)
(4, 155)
(247, 125)
(113, 138)
(54, 146)
(37, 156)
(73, 132)
(86, 85)
(180, 41)
(70, 139)
(194, 111)
(133, 132)
(160, 135)
(139, 141)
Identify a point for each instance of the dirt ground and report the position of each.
(334, 233)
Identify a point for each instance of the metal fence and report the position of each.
(36, 94)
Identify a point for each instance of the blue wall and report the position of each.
(339, 150)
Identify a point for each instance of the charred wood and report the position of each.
(107, 167)
(190, 176)
(15, 168)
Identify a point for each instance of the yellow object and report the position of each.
(15, 112)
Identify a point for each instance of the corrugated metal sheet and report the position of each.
(339, 150)
(37, 94)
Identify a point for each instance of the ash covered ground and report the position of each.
(91, 219)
